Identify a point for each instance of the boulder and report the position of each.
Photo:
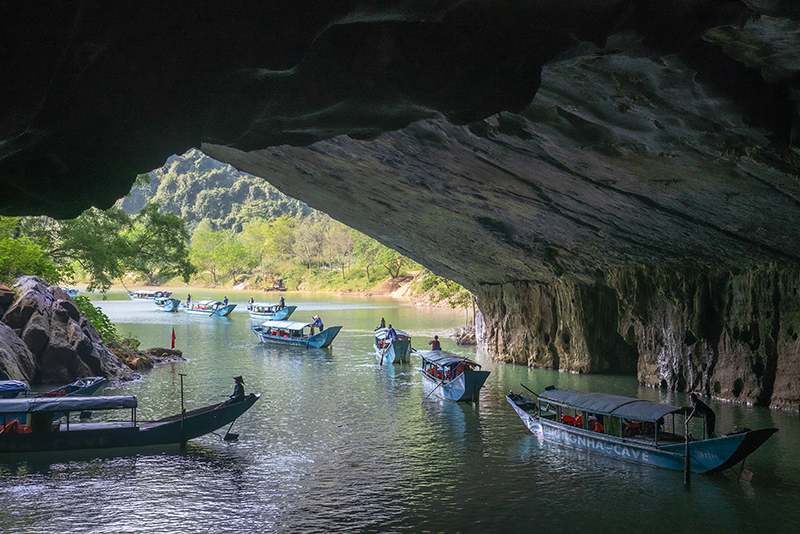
(60, 345)
(16, 361)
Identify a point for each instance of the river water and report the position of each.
(338, 443)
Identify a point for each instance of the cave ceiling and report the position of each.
(492, 141)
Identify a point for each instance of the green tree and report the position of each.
(339, 245)
(206, 249)
(365, 250)
(20, 255)
(391, 260)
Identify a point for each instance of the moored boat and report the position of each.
(148, 294)
(632, 429)
(294, 333)
(11, 388)
(40, 433)
(81, 387)
(392, 348)
(270, 312)
(210, 308)
(167, 304)
(450, 376)
(71, 291)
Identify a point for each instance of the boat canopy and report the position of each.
(285, 325)
(13, 386)
(613, 405)
(380, 333)
(442, 358)
(207, 302)
(65, 404)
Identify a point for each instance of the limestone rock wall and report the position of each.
(732, 335)
(44, 339)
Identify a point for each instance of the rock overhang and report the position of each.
(491, 141)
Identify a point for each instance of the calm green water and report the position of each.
(339, 444)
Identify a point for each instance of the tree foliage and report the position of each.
(443, 289)
(22, 255)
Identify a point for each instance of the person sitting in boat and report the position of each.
(281, 304)
(434, 343)
(238, 389)
(317, 322)
(391, 333)
(708, 414)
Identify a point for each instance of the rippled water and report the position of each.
(340, 444)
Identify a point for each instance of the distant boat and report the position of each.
(44, 435)
(148, 294)
(71, 291)
(450, 376)
(270, 312)
(11, 388)
(167, 304)
(630, 429)
(392, 350)
(293, 333)
(210, 308)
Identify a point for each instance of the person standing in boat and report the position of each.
(281, 304)
(383, 323)
(708, 414)
(250, 304)
(434, 343)
(317, 322)
(188, 300)
(391, 333)
(238, 389)
(225, 301)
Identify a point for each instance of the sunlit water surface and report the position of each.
(340, 444)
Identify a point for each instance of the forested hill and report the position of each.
(197, 187)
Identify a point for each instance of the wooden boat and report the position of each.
(11, 388)
(167, 304)
(392, 350)
(270, 312)
(40, 433)
(147, 294)
(209, 308)
(631, 429)
(450, 376)
(294, 333)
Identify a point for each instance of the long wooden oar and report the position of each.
(431, 393)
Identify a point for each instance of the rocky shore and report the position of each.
(44, 339)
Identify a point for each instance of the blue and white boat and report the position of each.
(11, 388)
(631, 429)
(71, 291)
(167, 304)
(270, 312)
(294, 333)
(450, 376)
(148, 294)
(390, 350)
(209, 308)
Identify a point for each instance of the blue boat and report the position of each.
(167, 304)
(209, 308)
(41, 433)
(450, 376)
(11, 388)
(81, 387)
(390, 350)
(148, 294)
(294, 333)
(631, 429)
(270, 312)
(71, 291)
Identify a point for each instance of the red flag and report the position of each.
(173, 337)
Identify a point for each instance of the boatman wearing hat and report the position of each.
(317, 322)
(238, 389)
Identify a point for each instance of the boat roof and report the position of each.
(381, 332)
(13, 385)
(604, 403)
(66, 404)
(442, 357)
(208, 301)
(286, 325)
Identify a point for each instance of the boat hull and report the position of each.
(398, 351)
(706, 456)
(320, 340)
(114, 435)
(464, 387)
(167, 304)
(279, 315)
